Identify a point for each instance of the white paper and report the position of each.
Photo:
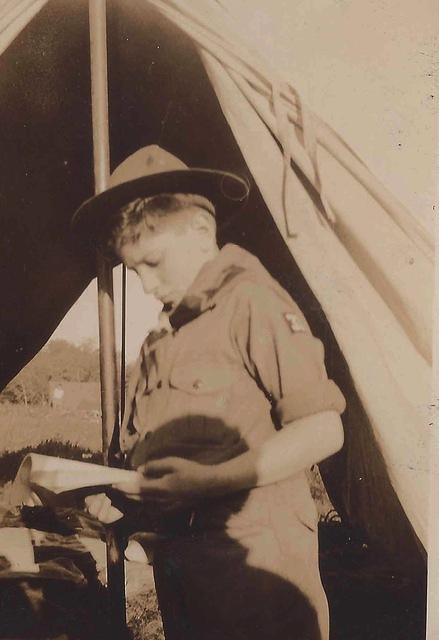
(57, 475)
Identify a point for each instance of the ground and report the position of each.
(142, 612)
(22, 426)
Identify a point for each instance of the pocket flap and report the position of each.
(202, 378)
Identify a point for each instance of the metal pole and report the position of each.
(107, 342)
(101, 152)
(123, 345)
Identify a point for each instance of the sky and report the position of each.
(370, 70)
(81, 323)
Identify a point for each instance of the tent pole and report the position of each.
(101, 153)
(107, 342)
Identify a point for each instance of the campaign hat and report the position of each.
(152, 171)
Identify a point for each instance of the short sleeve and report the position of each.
(280, 352)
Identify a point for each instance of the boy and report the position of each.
(227, 408)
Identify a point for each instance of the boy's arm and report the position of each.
(296, 447)
(180, 482)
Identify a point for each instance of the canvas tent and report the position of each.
(191, 76)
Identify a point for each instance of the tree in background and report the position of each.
(59, 359)
(67, 361)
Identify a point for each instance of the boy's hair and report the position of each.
(154, 213)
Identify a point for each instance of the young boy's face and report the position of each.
(166, 260)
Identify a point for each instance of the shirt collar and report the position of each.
(211, 282)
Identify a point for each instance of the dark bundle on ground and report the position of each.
(32, 608)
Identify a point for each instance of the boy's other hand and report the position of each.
(100, 507)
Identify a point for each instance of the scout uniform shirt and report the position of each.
(237, 362)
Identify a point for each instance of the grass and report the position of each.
(22, 427)
(143, 616)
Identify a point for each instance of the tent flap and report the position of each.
(371, 271)
(14, 16)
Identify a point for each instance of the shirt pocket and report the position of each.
(202, 379)
(202, 393)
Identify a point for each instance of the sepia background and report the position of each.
(367, 69)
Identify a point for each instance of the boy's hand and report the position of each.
(172, 483)
(99, 506)
(33, 500)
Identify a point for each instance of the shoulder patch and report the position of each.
(295, 323)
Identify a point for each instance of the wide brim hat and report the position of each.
(152, 171)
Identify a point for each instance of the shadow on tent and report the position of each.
(159, 93)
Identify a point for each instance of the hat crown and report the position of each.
(144, 162)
